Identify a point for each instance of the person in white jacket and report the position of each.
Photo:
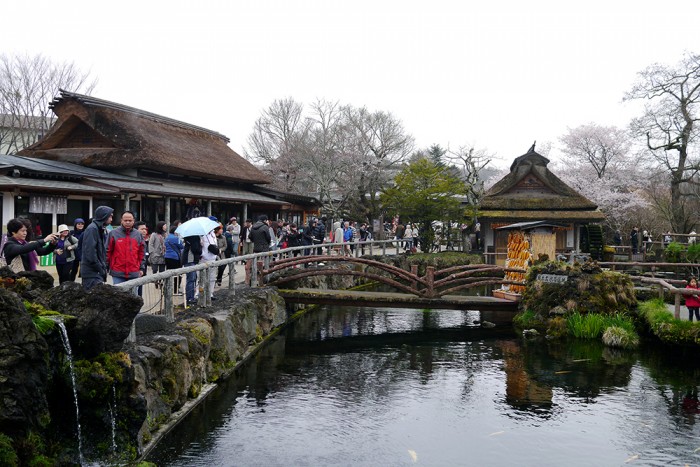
(210, 252)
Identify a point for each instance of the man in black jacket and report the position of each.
(260, 235)
(260, 238)
(94, 248)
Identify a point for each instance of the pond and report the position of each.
(364, 386)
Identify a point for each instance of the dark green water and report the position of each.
(391, 387)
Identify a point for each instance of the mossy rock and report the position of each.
(588, 289)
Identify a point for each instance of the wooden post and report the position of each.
(677, 306)
(414, 271)
(232, 277)
(167, 211)
(207, 285)
(202, 284)
(357, 249)
(384, 249)
(254, 273)
(168, 299)
(430, 279)
(661, 291)
(127, 196)
(370, 248)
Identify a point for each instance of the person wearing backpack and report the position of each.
(173, 255)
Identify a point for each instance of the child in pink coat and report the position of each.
(693, 301)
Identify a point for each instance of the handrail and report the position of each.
(204, 298)
(677, 292)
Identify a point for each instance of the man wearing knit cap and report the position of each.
(94, 248)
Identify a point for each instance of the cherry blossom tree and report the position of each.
(620, 196)
(601, 147)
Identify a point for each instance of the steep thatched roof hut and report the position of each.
(107, 135)
(531, 192)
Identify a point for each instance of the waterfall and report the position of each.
(113, 419)
(69, 355)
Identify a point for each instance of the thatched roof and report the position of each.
(106, 135)
(531, 186)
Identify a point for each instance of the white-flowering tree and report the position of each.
(27, 85)
(600, 147)
(620, 196)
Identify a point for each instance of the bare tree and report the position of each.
(378, 145)
(598, 146)
(326, 161)
(471, 162)
(27, 86)
(278, 140)
(669, 126)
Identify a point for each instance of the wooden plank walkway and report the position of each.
(392, 299)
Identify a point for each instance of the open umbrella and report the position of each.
(196, 226)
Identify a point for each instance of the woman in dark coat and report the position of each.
(77, 233)
(17, 245)
(634, 240)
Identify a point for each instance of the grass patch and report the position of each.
(593, 325)
(528, 319)
(667, 328)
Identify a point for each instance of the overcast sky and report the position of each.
(496, 74)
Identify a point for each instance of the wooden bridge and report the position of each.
(392, 300)
(435, 289)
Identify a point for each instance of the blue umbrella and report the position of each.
(196, 226)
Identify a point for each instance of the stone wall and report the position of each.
(138, 388)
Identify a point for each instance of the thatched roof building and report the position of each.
(104, 153)
(531, 192)
(107, 135)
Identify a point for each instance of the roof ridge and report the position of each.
(96, 102)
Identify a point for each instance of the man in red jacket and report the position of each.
(125, 250)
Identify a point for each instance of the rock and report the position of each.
(557, 311)
(530, 333)
(23, 369)
(104, 316)
(146, 323)
(487, 324)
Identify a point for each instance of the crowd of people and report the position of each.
(643, 242)
(95, 250)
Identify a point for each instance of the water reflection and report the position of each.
(347, 386)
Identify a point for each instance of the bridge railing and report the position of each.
(166, 294)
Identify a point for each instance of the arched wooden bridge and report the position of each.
(436, 287)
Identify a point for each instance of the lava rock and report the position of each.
(557, 311)
(23, 369)
(104, 316)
